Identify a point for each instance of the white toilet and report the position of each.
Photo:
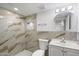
(43, 45)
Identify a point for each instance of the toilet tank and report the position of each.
(43, 44)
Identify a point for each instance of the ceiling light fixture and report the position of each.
(57, 10)
(63, 9)
(16, 9)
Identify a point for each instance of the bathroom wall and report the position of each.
(46, 31)
(35, 35)
(53, 35)
(32, 42)
(17, 37)
(46, 22)
(12, 33)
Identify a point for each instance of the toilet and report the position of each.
(43, 45)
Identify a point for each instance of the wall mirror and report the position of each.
(64, 19)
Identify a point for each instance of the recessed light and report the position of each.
(69, 7)
(16, 9)
(57, 10)
(63, 9)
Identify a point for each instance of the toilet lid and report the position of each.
(38, 53)
(24, 53)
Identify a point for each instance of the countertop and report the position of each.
(68, 43)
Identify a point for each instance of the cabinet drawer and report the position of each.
(71, 52)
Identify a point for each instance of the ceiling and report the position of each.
(26, 9)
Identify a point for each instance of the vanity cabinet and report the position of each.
(60, 51)
(59, 48)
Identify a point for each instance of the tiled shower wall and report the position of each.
(11, 38)
(18, 38)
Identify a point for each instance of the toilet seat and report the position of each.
(39, 53)
(28, 53)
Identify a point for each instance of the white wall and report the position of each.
(47, 17)
(77, 12)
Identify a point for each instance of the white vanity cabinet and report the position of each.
(55, 51)
(60, 51)
(63, 49)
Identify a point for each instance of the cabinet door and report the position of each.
(55, 51)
